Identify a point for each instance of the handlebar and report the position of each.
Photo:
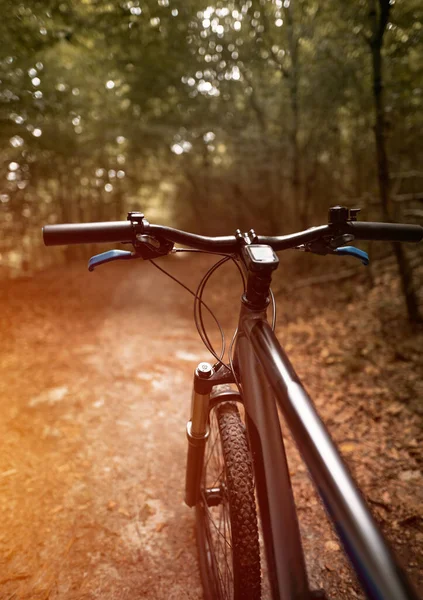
(127, 231)
(385, 232)
(88, 233)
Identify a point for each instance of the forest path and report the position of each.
(96, 373)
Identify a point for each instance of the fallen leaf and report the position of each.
(395, 408)
(409, 475)
(348, 447)
(386, 498)
(9, 472)
(332, 546)
(50, 396)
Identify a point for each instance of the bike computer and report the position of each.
(260, 257)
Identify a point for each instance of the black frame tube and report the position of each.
(281, 534)
(377, 570)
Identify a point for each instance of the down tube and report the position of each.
(380, 576)
(285, 559)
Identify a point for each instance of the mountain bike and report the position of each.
(232, 460)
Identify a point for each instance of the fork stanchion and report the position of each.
(197, 432)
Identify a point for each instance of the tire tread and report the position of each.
(242, 507)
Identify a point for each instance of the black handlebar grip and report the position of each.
(385, 232)
(88, 233)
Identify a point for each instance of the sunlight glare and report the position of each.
(16, 141)
(209, 137)
(177, 149)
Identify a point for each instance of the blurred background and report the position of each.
(211, 117)
(208, 117)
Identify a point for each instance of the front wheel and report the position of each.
(227, 532)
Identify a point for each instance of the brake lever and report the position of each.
(109, 256)
(149, 247)
(146, 247)
(352, 251)
(324, 249)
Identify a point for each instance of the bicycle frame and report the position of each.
(267, 378)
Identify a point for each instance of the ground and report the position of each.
(96, 372)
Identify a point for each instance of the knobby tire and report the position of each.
(227, 534)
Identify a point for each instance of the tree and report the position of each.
(259, 111)
(379, 17)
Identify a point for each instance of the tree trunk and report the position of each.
(379, 21)
(293, 96)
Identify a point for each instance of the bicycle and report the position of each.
(229, 461)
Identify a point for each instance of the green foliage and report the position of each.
(261, 111)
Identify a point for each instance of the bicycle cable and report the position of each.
(199, 304)
(191, 292)
(198, 316)
(198, 301)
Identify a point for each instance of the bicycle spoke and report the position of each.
(227, 533)
(219, 573)
(216, 528)
(213, 434)
(220, 478)
(221, 545)
(224, 548)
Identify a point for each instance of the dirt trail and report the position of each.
(95, 382)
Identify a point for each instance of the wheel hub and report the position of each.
(214, 496)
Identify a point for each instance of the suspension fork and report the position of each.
(203, 400)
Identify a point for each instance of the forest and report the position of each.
(209, 117)
(257, 113)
